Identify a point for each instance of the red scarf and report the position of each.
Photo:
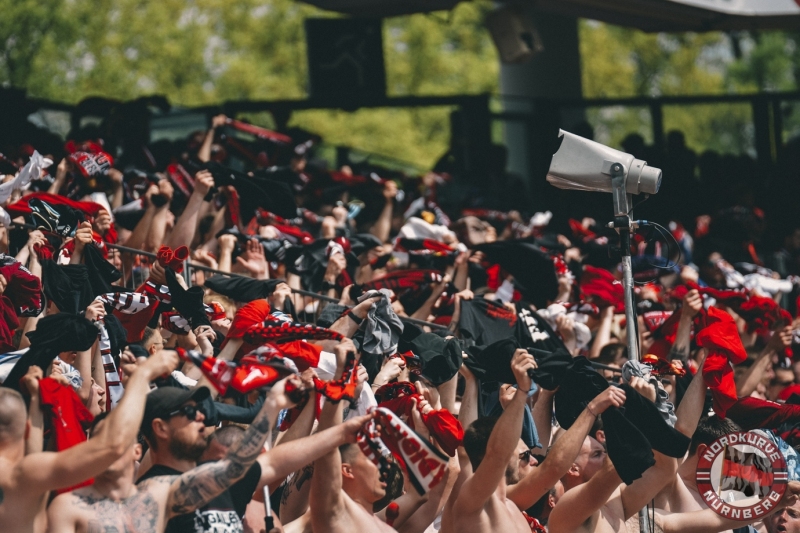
(720, 338)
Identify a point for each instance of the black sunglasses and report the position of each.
(189, 411)
(525, 456)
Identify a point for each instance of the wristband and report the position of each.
(327, 285)
(354, 318)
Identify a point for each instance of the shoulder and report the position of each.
(156, 484)
(69, 498)
(613, 508)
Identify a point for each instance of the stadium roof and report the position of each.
(647, 15)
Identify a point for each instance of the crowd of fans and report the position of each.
(295, 348)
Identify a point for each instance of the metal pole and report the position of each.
(623, 207)
(627, 286)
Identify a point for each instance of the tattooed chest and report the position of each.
(138, 514)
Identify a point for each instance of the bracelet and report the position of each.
(590, 410)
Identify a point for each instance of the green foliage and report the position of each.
(203, 52)
(621, 62)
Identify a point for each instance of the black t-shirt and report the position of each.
(485, 322)
(223, 514)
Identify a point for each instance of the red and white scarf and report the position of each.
(424, 465)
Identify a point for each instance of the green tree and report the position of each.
(203, 52)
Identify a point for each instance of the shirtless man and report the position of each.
(528, 481)
(345, 483)
(479, 504)
(562, 457)
(25, 480)
(114, 503)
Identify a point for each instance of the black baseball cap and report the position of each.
(164, 400)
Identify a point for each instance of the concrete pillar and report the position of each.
(555, 74)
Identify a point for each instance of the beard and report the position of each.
(187, 450)
(512, 475)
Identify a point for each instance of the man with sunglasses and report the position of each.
(572, 453)
(175, 495)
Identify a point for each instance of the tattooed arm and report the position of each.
(200, 485)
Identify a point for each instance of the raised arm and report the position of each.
(691, 407)
(325, 497)
(283, 460)
(533, 486)
(383, 225)
(200, 485)
(34, 441)
(692, 303)
(41, 472)
(477, 490)
(185, 227)
(158, 227)
(603, 335)
(640, 492)
(578, 504)
(543, 417)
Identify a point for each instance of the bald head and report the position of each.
(12, 416)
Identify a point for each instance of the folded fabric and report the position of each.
(102, 274)
(62, 332)
(22, 297)
(31, 171)
(219, 372)
(22, 207)
(753, 413)
(188, 302)
(23, 289)
(441, 358)
(67, 286)
(404, 279)
(762, 314)
(330, 314)
(8, 324)
(441, 424)
(255, 325)
(172, 259)
(720, 338)
(242, 289)
(532, 268)
(281, 332)
(416, 228)
(253, 373)
(636, 369)
(602, 288)
(383, 327)
(114, 388)
(582, 334)
(67, 417)
(632, 432)
(492, 362)
(135, 310)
